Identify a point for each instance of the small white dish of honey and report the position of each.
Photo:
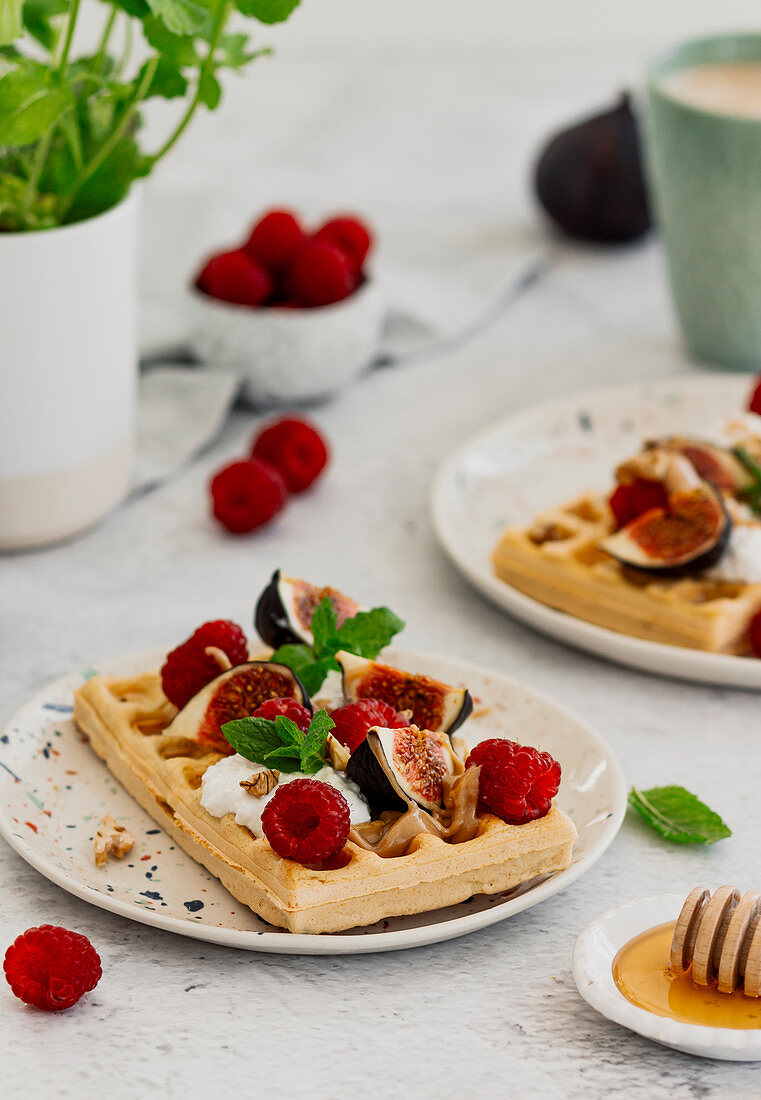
(656, 966)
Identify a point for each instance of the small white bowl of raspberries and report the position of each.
(294, 313)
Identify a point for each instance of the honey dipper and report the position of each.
(720, 936)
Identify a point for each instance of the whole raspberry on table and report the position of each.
(319, 274)
(235, 277)
(296, 450)
(353, 720)
(629, 501)
(246, 495)
(351, 235)
(275, 239)
(289, 708)
(517, 782)
(306, 821)
(188, 668)
(51, 967)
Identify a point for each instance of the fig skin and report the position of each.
(278, 622)
(589, 179)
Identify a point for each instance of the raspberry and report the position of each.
(51, 967)
(289, 708)
(319, 274)
(351, 235)
(755, 633)
(754, 401)
(517, 782)
(355, 719)
(306, 820)
(235, 277)
(246, 495)
(296, 450)
(188, 668)
(495, 749)
(629, 501)
(275, 239)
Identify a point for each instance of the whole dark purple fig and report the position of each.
(589, 178)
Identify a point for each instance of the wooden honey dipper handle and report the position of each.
(720, 937)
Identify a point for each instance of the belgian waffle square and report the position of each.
(557, 561)
(125, 721)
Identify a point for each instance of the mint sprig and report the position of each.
(365, 634)
(752, 494)
(678, 815)
(279, 743)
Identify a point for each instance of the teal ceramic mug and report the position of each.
(704, 170)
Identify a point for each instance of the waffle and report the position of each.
(557, 562)
(125, 721)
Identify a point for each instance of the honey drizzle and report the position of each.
(642, 973)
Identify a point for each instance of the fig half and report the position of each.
(233, 694)
(434, 705)
(715, 464)
(285, 608)
(688, 534)
(393, 767)
(589, 178)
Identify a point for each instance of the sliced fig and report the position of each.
(715, 464)
(285, 608)
(434, 705)
(235, 693)
(393, 767)
(689, 534)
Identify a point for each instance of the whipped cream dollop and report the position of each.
(221, 792)
(331, 693)
(741, 561)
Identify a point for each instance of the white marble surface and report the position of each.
(495, 1014)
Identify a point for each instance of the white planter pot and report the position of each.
(68, 374)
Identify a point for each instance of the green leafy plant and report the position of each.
(69, 124)
(279, 743)
(364, 634)
(751, 495)
(679, 815)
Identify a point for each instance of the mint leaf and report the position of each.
(252, 737)
(368, 632)
(324, 627)
(279, 743)
(283, 759)
(294, 656)
(751, 495)
(313, 748)
(365, 634)
(313, 676)
(678, 815)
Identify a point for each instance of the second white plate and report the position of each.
(552, 452)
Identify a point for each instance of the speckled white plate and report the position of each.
(593, 956)
(54, 791)
(552, 452)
